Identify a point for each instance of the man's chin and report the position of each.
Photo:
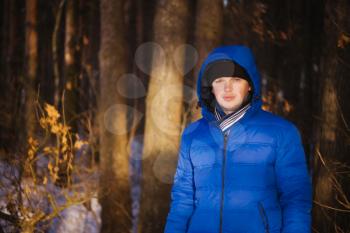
(229, 109)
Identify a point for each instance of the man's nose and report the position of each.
(228, 86)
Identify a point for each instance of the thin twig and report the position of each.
(331, 208)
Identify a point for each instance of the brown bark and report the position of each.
(12, 53)
(208, 35)
(88, 81)
(163, 115)
(55, 54)
(31, 59)
(209, 27)
(329, 186)
(71, 75)
(12, 38)
(6, 9)
(114, 161)
(89, 25)
(71, 62)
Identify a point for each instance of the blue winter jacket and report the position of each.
(254, 180)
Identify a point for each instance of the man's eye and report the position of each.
(237, 79)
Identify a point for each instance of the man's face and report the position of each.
(230, 92)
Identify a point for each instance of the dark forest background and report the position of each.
(94, 96)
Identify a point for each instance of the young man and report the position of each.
(241, 169)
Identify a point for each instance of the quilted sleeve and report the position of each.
(294, 183)
(182, 194)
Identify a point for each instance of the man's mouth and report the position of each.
(228, 98)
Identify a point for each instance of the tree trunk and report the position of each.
(71, 62)
(71, 75)
(89, 24)
(4, 25)
(12, 120)
(56, 38)
(114, 161)
(163, 114)
(329, 150)
(13, 93)
(31, 61)
(325, 151)
(88, 83)
(208, 35)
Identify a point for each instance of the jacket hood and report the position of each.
(239, 54)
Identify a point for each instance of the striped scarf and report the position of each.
(225, 121)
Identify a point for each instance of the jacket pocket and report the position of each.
(263, 217)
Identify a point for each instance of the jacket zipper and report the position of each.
(264, 217)
(223, 180)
